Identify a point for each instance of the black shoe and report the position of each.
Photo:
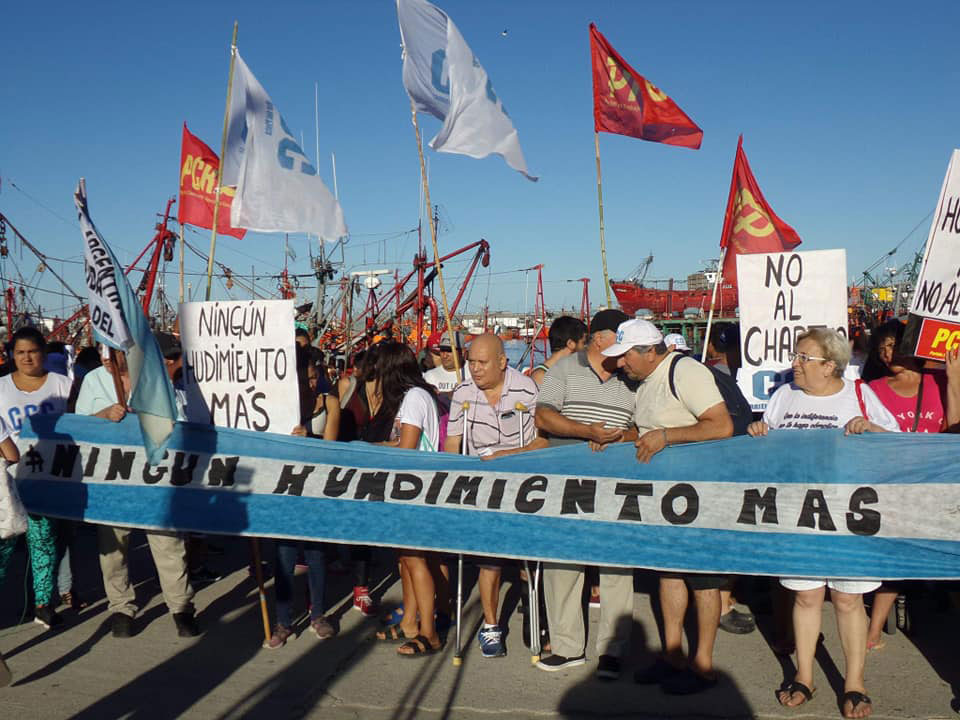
(656, 673)
(47, 616)
(204, 576)
(737, 622)
(687, 682)
(608, 668)
(186, 624)
(553, 663)
(121, 625)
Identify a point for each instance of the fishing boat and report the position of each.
(674, 297)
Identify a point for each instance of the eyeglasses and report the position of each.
(804, 358)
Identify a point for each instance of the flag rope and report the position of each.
(603, 243)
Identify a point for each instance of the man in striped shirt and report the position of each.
(584, 397)
(491, 414)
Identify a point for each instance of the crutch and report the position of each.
(533, 578)
(458, 651)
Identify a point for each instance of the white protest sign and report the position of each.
(781, 296)
(938, 286)
(239, 364)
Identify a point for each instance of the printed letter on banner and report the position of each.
(781, 295)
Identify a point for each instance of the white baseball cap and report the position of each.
(678, 341)
(632, 333)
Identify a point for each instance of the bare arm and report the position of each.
(953, 390)
(9, 450)
(332, 429)
(409, 436)
(537, 444)
(552, 422)
(113, 413)
(713, 424)
(453, 444)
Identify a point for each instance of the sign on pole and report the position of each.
(781, 296)
(934, 323)
(239, 364)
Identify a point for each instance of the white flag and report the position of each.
(278, 189)
(444, 79)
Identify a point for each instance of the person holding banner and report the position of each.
(491, 414)
(99, 397)
(821, 398)
(31, 390)
(677, 402)
(584, 397)
(406, 405)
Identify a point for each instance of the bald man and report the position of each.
(492, 414)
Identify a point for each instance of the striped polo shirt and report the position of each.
(573, 388)
(489, 428)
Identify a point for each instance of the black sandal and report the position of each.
(420, 646)
(856, 699)
(796, 687)
(392, 634)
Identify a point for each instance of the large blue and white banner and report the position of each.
(799, 503)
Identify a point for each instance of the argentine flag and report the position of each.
(119, 322)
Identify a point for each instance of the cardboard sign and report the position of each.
(937, 293)
(239, 364)
(781, 296)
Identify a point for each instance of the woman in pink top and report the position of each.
(919, 399)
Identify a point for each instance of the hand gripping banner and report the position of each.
(796, 503)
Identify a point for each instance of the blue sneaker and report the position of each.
(491, 642)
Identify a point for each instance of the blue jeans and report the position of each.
(286, 558)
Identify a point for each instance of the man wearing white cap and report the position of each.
(694, 412)
(676, 341)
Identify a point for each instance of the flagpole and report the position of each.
(713, 300)
(223, 153)
(603, 243)
(436, 251)
(181, 262)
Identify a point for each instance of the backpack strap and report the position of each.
(672, 372)
(858, 385)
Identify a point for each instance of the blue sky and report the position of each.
(849, 113)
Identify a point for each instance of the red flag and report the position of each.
(750, 225)
(198, 183)
(625, 103)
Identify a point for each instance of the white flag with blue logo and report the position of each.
(445, 79)
(118, 322)
(278, 189)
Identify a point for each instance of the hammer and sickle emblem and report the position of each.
(615, 84)
(654, 92)
(750, 218)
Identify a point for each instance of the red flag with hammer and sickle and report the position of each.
(625, 103)
(198, 186)
(750, 225)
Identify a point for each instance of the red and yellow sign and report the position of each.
(936, 338)
(198, 185)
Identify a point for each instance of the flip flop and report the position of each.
(856, 699)
(795, 687)
(420, 646)
(879, 645)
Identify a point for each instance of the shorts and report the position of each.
(700, 581)
(851, 587)
(487, 563)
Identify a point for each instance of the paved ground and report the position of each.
(81, 671)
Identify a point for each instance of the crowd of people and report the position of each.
(620, 380)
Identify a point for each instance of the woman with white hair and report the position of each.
(820, 397)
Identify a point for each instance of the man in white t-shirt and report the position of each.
(444, 376)
(98, 397)
(694, 413)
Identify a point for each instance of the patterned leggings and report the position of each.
(42, 545)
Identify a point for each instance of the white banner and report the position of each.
(101, 276)
(781, 296)
(444, 78)
(239, 364)
(278, 189)
(937, 293)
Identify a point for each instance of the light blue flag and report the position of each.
(119, 322)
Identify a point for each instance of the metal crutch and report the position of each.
(533, 578)
(458, 651)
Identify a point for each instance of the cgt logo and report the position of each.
(619, 336)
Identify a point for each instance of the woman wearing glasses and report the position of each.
(820, 397)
